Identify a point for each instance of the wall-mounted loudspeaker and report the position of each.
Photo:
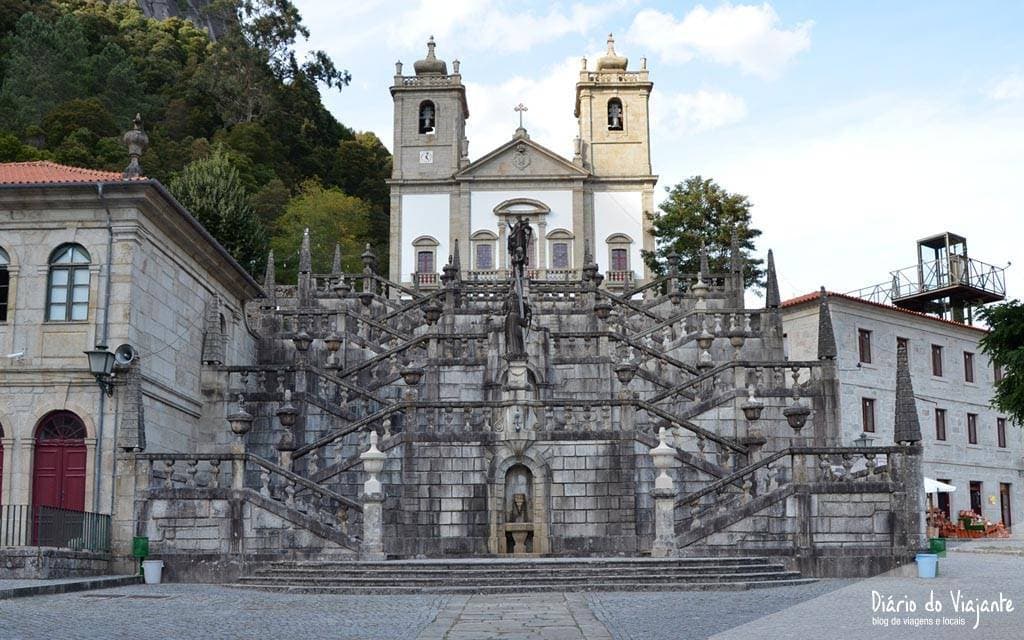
(124, 355)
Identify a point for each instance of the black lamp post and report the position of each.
(101, 365)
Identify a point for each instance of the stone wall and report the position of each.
(47, 563)
(211, 535)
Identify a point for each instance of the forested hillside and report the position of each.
(240, 118)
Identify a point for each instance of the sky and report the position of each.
(855, 128)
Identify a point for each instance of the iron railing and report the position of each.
(23, 525)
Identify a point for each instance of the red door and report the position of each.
(58, 476)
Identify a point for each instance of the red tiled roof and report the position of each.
(816, 295)
(45, 172)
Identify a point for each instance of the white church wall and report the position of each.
(424, 215)
(482, 204)
(619, 212)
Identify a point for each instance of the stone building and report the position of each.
(528, 409)
(966, 442)
(601, 196)
(89, 258)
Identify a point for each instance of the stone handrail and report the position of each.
(710, 374)
(746, 475)
(330, 508)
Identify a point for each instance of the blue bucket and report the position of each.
(927, 565)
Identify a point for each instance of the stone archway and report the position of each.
(528, 474)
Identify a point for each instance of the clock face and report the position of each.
(426, 157)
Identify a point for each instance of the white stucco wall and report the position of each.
(619, 212)
(423, 215)
(482, 205)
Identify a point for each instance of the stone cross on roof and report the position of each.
(520, 108)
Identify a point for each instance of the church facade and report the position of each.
(601, 197)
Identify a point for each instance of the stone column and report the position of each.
(664, 499)
(8, 469)
(373, 503)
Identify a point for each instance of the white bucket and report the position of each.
(152, 570)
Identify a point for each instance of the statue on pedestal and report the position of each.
(517, 320)
(519, 236)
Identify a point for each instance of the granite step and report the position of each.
(528, 588)
(517, 575)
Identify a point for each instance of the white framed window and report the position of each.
(619, 246)
(68, 284)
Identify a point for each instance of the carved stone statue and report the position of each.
(519, 245)
(516, 324)
(519, 511)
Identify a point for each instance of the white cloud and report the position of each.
(491, 25)
(1009, 88)
(844, 205)
(682, 114)
(746, 36)
(549, 99)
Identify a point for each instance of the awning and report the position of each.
(934, 486)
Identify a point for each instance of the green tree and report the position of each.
(1004, 344)
(211, 189)
(331, 217)
(699, 212)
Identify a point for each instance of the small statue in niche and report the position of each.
(518, 511)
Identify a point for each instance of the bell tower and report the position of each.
(612, 111)
(430, 120)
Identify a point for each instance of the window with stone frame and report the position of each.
(620, 259)
(427, 117)
(864, 345)
(867, 410)
(936, 360)
(425, 261)
(618, 252)
(940, 424)
(484, 244)
(1001, 432)
(68, 284)
(972, 428)
(484, 256)
(616, 116)
(560, 255)
(968, 366)
(5, 284)
(905, 343)
(997, 373)
(560, 249)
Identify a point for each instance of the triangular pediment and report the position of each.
(522, 158)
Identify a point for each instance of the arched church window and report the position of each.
(484, 243)
(615, 115)
(5, 283)
(428, 117)
(68, 290)
(560, 249)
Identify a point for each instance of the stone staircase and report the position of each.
(494, 575)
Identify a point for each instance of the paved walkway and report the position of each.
(825, 609)
(555, 616)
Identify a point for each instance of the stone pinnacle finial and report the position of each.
(430, 65)
(305, 257)
(269, 276)
(826, 336)
(771, 298)
(136, 141)
(336, 263)
(456, 260)
(907, 427)
(611, 44)
(704, 268)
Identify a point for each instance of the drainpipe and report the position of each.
(105, 334)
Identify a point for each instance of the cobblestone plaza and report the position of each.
(828, 608)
